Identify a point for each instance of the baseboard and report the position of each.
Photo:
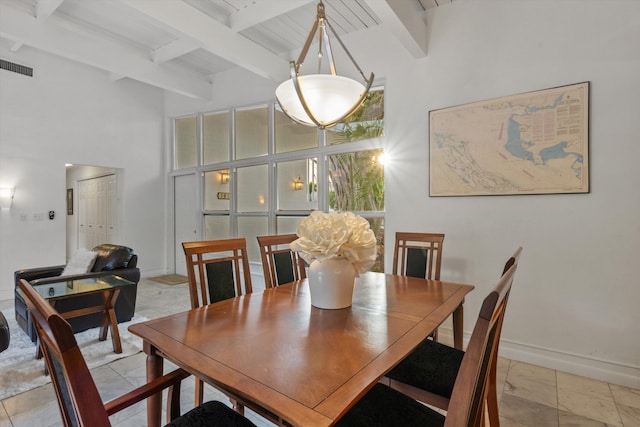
(602, 370)
(145, 274)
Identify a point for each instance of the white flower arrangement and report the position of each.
(332, 235)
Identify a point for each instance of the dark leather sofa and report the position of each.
(5, 336)
(111, 260)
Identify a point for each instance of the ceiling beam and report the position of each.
(173, 50)
(214, 36)
(85, 48)
(44, 8)
(15, 47)
(406, 23)
(261, 12)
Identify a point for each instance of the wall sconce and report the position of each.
(224, 177)
(6, 197)
(297, 184)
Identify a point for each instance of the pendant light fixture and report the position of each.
(321, 100)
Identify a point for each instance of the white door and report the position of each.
(100, 219)
(96, 211)
(83, 212)
(111, 213)
(187, 217)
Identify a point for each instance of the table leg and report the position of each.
(458, 326)
(154, 370)
(110, 315)
(38, 350)
(104, 321)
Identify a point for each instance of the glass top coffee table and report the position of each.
(108, 286)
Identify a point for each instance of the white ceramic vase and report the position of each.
(331, 283)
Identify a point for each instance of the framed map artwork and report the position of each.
(531, 143)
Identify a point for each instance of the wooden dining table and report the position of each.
(303, 365)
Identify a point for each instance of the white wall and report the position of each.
(68, 113)
(574, 305)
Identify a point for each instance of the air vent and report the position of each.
(16, 68)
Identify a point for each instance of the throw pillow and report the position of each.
(80, 262)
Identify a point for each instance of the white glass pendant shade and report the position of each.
(328, 97)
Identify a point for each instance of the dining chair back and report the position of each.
(429, 373)
(492, 386)
(513, 259)
(78, 398)
(217, 270)
(467, 405)
(418, 254)
(383, 405)
(279, 263)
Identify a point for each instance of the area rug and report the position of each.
(21, 371)
(170, 279)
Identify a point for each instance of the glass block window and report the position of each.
(252, 132)
(253, 189)
(297, 185)
(217, 227)
(217, 194)
(291, 136)
(367, 122)
(186, 142)
(249, 227)
(262, 173)
(215, 138)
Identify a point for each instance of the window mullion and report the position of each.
(323, 172)
(272, 188)
(200, 139)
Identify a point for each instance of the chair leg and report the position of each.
(173, 402)
(458, 326)
(238, 407)
(199, 397)
(491, 397)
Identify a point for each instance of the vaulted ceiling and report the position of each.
(180, 45)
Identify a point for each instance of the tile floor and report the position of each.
(529, 395)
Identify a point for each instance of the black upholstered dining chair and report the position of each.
(429, 373)
(467, 405)
(418, 255)
(279, 263)
(78, 398)
(217, 270)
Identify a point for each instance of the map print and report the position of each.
(531, 143)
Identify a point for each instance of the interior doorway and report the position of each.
(93, 208)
